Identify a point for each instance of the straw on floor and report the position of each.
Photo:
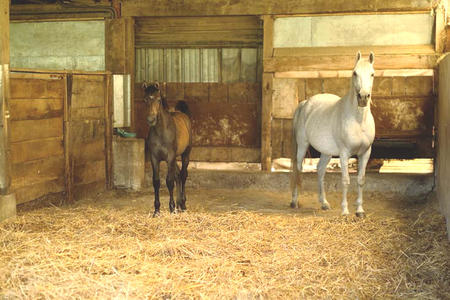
(86, 251)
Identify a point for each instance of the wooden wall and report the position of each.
(403, 108)
(225, 118)
(37, 135)
(443, 141)
(59, 134)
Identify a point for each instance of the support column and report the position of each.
(7, 198)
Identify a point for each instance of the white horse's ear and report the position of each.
(371, 57)
(358, 56)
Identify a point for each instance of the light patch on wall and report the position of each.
(354, 30)
(68, 45)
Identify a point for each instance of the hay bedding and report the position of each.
(87, 251)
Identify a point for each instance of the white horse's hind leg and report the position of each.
(321, 170)
(345, 182)
(301, 152)
(362, 163)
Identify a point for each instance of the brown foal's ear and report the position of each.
(157, 85)
(144, 85)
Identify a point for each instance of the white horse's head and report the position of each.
(362, 79)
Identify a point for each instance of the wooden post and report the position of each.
(7, 198)
(68, 162)
(441, 22)
(108, 131)
(130, 64)
(266, 112)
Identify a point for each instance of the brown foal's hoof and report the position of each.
(156, 214)
(294, 205)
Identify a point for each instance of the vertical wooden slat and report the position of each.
(68, 166)
(440, 24)
(108, 132)
(130, 64)
(266, 120)
(267, 89)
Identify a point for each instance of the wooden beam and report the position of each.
(108, 132)
(139, 8)
(268, 37)
(68, 166)
(346, 62)
(130, 62)
(266, 121)
(348, 73)
(440, 32)
(352, 50)
(5, 179)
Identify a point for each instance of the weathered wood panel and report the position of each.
(88, 91)
(26, 130)
(248, 7)
(36, 149)
(35, 109)
(443, 141)
(223, 116)
(344, 62)
(37, 171)
(89, 173)
(40, 189)
(198, 32)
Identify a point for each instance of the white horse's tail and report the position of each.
(295, 178)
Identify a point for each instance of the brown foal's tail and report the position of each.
(183, 107)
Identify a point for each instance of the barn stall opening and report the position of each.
(239, 238)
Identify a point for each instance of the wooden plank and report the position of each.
(130, 65)
(266, 120)
(68, 161)
(196, 92)
(135, 8)
(225, 154)
(40, 189)
(268, 37)
(243, 92)
(439, 28)
(32, 88)
(108, 133)
(285, 97)
(90, 151)
(198, 32)
(88, 91)
(87, 190)
(88, 173)
(348, 73)
(88, 113)
(352, 50)
(26, 130)
(83, 131)
(115, 57)
(36, 149)
(35, 109)
(277, 138)
(4, 33)
(36, 171)
(313, 63)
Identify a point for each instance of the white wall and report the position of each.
(354, 30)
(67, 45)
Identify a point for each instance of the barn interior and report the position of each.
(76, 195)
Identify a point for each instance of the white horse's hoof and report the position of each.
(294, 205)
(345, 213)
(360, 214)
(325, 206)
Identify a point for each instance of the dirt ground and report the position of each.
(239, 244)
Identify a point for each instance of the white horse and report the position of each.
(336, 127)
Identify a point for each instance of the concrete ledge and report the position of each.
(408, 185)
(128, 162)
(7, 206)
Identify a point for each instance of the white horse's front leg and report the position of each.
(345, 182)
(321, 170)
(362, 163)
